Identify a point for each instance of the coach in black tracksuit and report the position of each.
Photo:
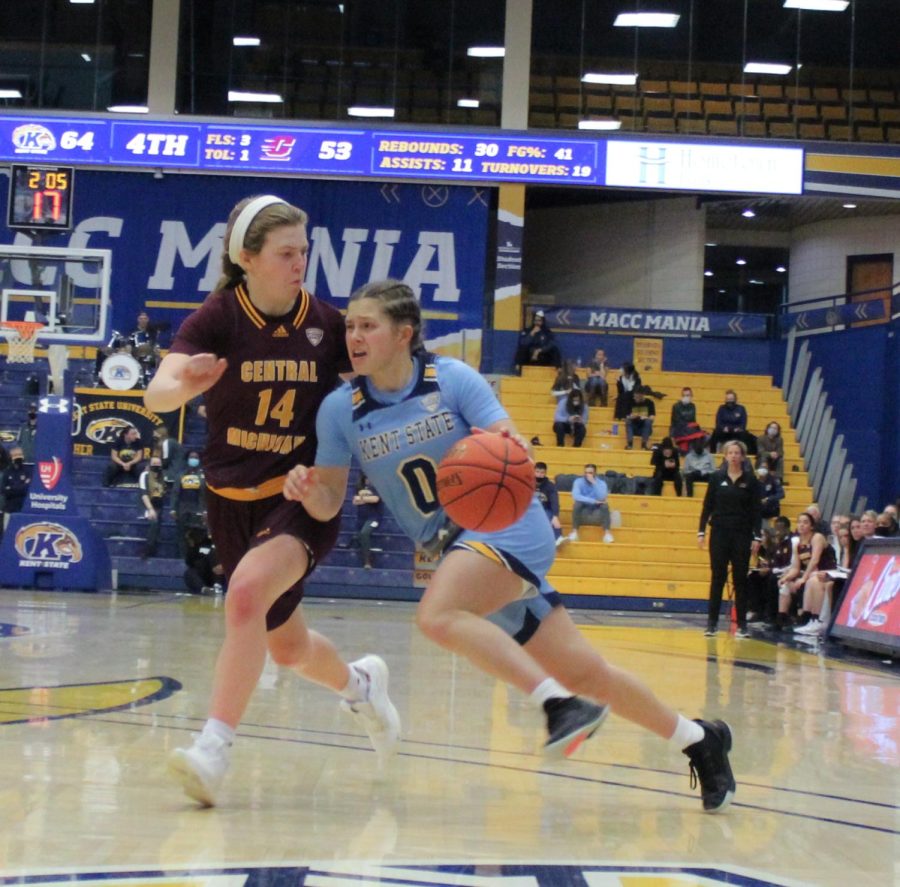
(732, 505)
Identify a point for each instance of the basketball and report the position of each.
(485, 482)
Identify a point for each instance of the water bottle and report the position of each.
(614, 429)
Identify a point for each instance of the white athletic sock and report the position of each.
(219, 729)
(548, 689)
(686, 733)
(357, 689)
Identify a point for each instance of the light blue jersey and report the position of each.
(400, 437)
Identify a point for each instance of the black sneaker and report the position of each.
(570, 722)
(709, 766)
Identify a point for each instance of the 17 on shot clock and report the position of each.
(40, 197)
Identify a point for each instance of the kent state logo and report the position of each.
(105, 431)
(50, 472)
(32, 138)
(47, 541)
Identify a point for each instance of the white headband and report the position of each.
(244, 220)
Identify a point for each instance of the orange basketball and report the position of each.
(485, 482)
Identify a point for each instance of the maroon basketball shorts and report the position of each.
(237, 527)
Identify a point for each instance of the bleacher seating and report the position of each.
(654, 560)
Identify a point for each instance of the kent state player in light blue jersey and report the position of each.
(402, 413)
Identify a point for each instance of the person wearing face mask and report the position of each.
(770, 450)
(189, 500)
(683, 427)
(772, 492)
(571, 417)
(14, 484)
(731, 424)
(698, 465)
(886, 524)
(27, 432)
(152, 486)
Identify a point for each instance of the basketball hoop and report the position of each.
(21, 337)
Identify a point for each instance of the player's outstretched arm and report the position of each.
(321, 489)
(180, 378)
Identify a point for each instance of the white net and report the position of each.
(20, 341)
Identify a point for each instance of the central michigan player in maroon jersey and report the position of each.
(265, 353)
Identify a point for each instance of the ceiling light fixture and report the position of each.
(237, 95)
(818, 5)
(767, 68)
(707, 274)
(741, 262)
(10, 94)
(128, 109)
(781, 269)
(369, 111)
(86, 56)
(646, 20)
(246, 41)
(486, 52)
(599, 124)
(614, 79)
(849, 206)
(468, 103)
(748, 214)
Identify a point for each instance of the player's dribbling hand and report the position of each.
(514, 437)
(202, 371)
(299, 482)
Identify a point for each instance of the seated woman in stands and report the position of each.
(629, 380)
(666, 463)
(683, 427)
(537, 345)
(770, 450)
(566, 379)
(571, 417)
(812, 554)
(596, 386)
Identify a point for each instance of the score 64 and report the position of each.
(335, 150)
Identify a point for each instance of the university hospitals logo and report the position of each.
(652, 162)
(50, 472)
(47, 544)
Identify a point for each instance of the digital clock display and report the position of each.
(40, 197)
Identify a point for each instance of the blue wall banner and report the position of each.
(166, 233)
(659, 323)
(102, 415)
(48, 544)
(836, 315)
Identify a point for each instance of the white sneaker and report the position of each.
(201, 768)
(814, 626)
(573, 536)
(377, 712)
(608, 537)
(561, 541)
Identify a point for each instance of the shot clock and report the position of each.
(40, 197)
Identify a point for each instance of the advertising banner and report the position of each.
(49, 544)
(658, 323)
(102, 415)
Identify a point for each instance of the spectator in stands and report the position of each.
(203, 573)
(628, 382)
(14, 484)
(566, 379)
(596, 386)
(170, 451)
(369, 515)
(537, 345)
(125, 458)
(833, 535)
(779, 552)
(698, 465)
(548, 496)
(152, 487)
(589, 505)
(850, 544)
(731, 424)
(868, 521)
(640, 419)
(666, 466)
(772, 493)
(144, 347)
(684, 414)
(770, 450)
(571, 417)
(886, 524)
(27, 434)
(811, 554)
(188, 499)
(821, 525)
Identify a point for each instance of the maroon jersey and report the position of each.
(262, 412)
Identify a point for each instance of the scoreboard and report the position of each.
(40, 197)
(485, 157)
